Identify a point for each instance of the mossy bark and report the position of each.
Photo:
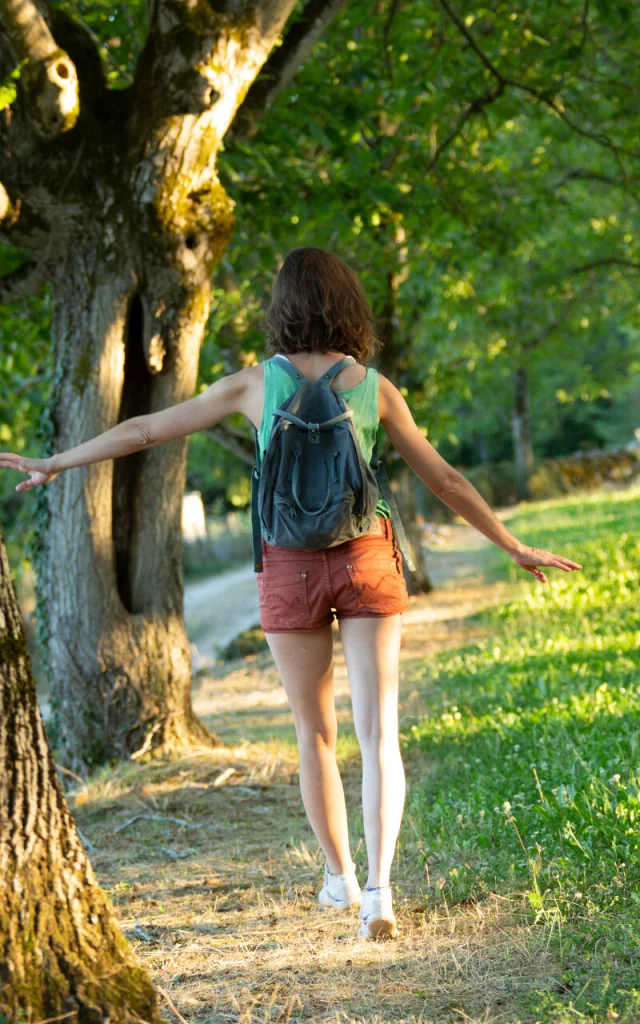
(61, 951)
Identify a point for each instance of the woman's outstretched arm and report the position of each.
(452, 487)
(220, 399)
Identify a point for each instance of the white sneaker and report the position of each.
(377, 918)
(339, 891)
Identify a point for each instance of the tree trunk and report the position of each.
(113, 579)
(392, 362)
(61, 951)
(522, 440)
(418, 582)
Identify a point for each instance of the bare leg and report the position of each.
(305, 664)
(372, 653)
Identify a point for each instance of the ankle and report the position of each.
(372, 888)
(348, 870)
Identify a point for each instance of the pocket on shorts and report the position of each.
(284, 600)
(378, 584)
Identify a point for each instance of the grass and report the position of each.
(531, 749)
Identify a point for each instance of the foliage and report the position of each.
(250, 642)
(26, 365)
(532, 753)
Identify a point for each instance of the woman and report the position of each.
(318, 314)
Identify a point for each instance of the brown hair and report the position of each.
(318, 305)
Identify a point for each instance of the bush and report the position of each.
(551, 478)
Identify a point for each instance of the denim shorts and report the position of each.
(305, 590)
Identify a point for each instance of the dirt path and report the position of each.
(217, 609)
(213, 868)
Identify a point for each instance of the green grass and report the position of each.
(531, 756)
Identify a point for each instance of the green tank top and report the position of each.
(363, 399)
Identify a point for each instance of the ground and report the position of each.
(213, 868)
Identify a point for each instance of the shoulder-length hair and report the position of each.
(319, 305)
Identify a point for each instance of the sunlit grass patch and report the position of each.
(533, 753)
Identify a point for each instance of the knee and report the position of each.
(377, 741)
(317, 735)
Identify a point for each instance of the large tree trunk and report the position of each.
(61, 951)
(113, 585)
(126, 217)
(522, 439)
(418, 582)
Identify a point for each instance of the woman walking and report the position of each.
(318, 315)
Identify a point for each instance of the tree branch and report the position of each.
(475, 107)
(20, 224)
(608, 261)
(386, 31)
(233, 442)
(49, 80)
(559, 320)
(584, 174)
(21, 283)
(283, 63)
(542, 95)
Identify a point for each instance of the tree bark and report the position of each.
(49, 78)
(61, 951)
(522, 438)
(113, 581)
(418, 582)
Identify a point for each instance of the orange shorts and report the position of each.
(304, 590)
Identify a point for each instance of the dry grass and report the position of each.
(213, 871)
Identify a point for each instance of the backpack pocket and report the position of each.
(284, 600)
(378, 584)
(293, 528)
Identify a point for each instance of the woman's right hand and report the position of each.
(39, 470)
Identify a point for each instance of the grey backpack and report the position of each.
(314, 489)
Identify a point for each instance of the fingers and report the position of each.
(539, 575)
(11, 463)
(563, 563)
(537, 556)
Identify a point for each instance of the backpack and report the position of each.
(314, 489)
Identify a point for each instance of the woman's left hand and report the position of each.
(529, 558)
(38, 469)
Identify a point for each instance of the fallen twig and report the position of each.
(171, 1003)
(146, 746)
(87, 842)
(162, 817)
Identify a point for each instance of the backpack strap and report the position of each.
(385, 490)
(286, 365)
(334, 370)
(256, 535)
